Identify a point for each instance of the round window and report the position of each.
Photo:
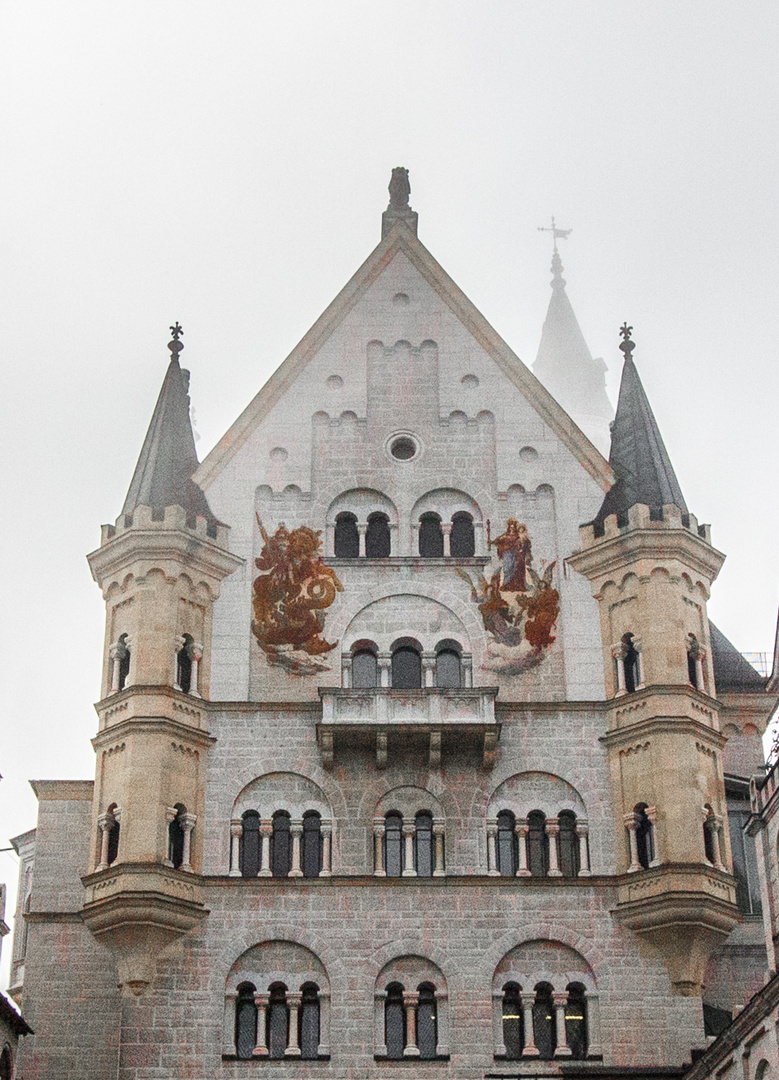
(403, 448)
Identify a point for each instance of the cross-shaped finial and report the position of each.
(557, 234)
(627, 346)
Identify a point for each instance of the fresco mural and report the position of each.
(289, 599)
(518, 606)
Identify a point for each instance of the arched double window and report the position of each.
(406, 665)
(411, 1022)
(347, 536)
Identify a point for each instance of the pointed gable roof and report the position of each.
(163, 475)
(400, 236)
(642, 467)
(564, 363)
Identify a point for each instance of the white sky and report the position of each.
(226, 164)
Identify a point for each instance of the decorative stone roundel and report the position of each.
(403, 448)
(470, 382)
(278, 453)
(334, 382)
(527, 453)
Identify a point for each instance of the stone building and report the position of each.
(400, 764)
(12, 1025)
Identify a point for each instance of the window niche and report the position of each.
(347, 537)
(431, 537)
(462, 540)
(377, 537)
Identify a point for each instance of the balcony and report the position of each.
(404, 721)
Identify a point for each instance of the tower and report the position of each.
(160, 568)
(651, 567)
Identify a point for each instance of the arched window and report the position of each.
(113, 835)
(250, 844)
(431, 537)
(281, 845)
(308, 1022)
(537, 844)
(312, 844)
(423, 844)
(576, 1021)
(693, 659)
(245, 1021)
(513, 1022)
(544, 1027)
(347, 538)
(644, 837)
(278, 1021)
(406, 668)
(569, 844)
(123, 655)
(507, 844)
(394, 1021)
(364, 667)
(708, 838)
(176, 837)
(631, 663)
(427, 1021)
(447, 665)
(377, 537)
(393, 844)
(462, 543)
(184, 665)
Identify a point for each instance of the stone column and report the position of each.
(379, 1044)
(187, 825)
(593, 1024)
(639, 664)
(552, 827)
(409, 830)
(378, 848)
(428, 669)
(630, 825)
(438, 839)
(492, 856)
(442, 1009)
(327, 848)
(362, 529)
(260, 1046)
(530, 1049)
(618, 652)
(324, 1023)
(560, 1001)
(197, 656)
(293, 1047)
(714, 824)
(104, 823)
(171, 813)
(266, 831)
(466, 667)
(498, 1045)
(384, 662)
(115, 655)
(346, 672)
(410, 1001)
(446, 529)
(651, 813)
(582, 829)
(236, 832)
(296, 828)
(228, 1023)
(521, 829)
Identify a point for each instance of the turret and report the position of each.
(159, 567)
(651, 566)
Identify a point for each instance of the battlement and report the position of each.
(171, 517)
(641, 516)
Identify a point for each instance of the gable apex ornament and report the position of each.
(398, 208)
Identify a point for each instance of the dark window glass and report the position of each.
(461, 541)
(347, 538)
(308, 1038)
(245, 1021)
(427, 1021)
(6, 1064)
(576, 1021)
(692, 674)
(377, 537)
(569, 844)
(250, 844)
(447, 669)
(278, 1024)
(113, 842)
(431, 537)
(184, 665)
(394, 1021)
(280, 845)
(403, 449)
(312, 844)
(644, 836)
(507, 844)
(544, 1029)
(176, 838)
(406, 669)
(631, 664)
(744, 855)
(513, 1022)
(124, 662)
(364, 669)
(708, 839)
(537, 844)
(423, 844)
(393, 845)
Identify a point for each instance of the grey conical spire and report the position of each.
(163, 475)
(639, 459)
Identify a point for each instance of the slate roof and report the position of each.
(12, 1018)
(163, 475)
(731, 670)
(638, 457)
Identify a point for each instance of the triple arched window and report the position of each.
(543, 1023)
(407, 666)
(538, 846)
(408, 847)
(280, 846)
(278, 1023)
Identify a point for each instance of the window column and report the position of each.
(631, 825)
(618, 652)
(492, 855)
(260, 1046)
(428, 669)
(346, 672)
(651, 813)
(521, 829)
(442, 1012)
(552, 826)
(378, 845)
(498, 1045)
(236, 832)
(293, 1047)
(593, 1024)
(187, 825)
(582, 831)
(266, 831)
(446, 529)
(560, 1001)
(466, 667)
(362, 528)
(324, 1023)
(713, 824)
(326, 829)
(379, 1044)
(528, 1000)
(229, 1023)
(196, 653)
(410, 1001)
(438, 839)
(105, 823)
(296, 828)
(640, 684)
(409, 831)
(384, 663)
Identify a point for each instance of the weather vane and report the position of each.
(557, 234)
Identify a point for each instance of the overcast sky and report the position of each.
(226, 165)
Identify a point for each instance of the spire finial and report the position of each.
(627, 346)
(557, 234)
(399, 189)
(174, 344)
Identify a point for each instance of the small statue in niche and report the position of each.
(399, 189)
